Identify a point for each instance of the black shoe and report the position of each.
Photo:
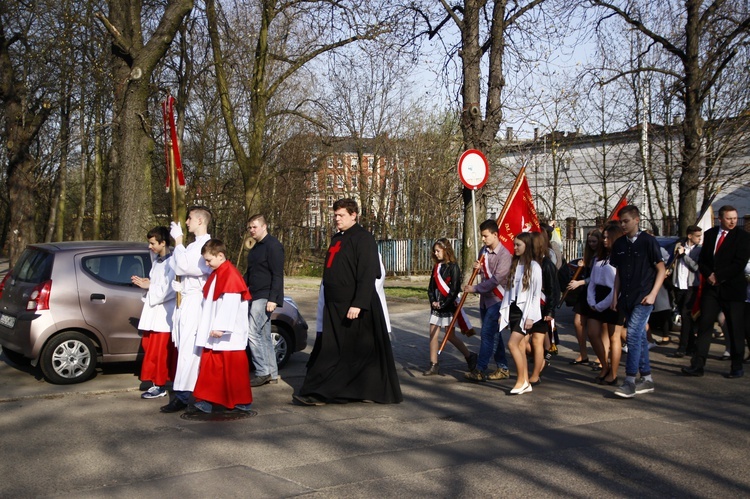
(471, 361)
(175, 405)
(610, 383)
(308, 400)
(263, 380)
(577, 362)
(735, 374)
(678, 354)
(692, 371)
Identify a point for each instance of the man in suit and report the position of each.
(722, 261)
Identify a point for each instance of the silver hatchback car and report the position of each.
(66, 306)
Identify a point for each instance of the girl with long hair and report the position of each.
(602, 322)
(590, 249)
(550, 296)
(443, 291)
(520, 308)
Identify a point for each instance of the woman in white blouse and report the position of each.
(599, 298)
(521, 308)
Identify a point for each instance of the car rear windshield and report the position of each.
(34, 266)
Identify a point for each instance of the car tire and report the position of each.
(283, 344)
(68, 358)
(18, 359)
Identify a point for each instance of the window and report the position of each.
(117, 269)
(340, 181)
(329, 162)
(354, 163)
(329, 181)
(34, 266)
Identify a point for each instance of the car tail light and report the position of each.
(39, 297)
(2, 284)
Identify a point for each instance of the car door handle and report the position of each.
(98, 297)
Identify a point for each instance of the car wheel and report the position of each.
(68, 358)
(283, 344)
(17, 358)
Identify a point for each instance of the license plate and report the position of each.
(7, 320)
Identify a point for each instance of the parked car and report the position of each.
(68, 306)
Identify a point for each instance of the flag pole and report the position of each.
(172, 171)
(513, 191)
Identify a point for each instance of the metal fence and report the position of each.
(413, 256)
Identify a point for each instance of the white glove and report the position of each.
(175, 230)
(177, 286)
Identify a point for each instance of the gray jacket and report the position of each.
(690, 262)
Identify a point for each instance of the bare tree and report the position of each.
(134, 60)
(703, 38)
(491, 33)
(25, 111)
(289, 35)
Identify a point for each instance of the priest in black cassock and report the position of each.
(352, 358)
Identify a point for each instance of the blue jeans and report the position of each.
(260, 340)
(637, 360)
(490, 337)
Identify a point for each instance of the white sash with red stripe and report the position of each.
(442, 286)
(498, 291)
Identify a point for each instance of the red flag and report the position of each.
(170, 138)
(622, 204)
(519, 214)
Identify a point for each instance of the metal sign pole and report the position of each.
(474, 214)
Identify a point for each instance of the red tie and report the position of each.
(720, 241)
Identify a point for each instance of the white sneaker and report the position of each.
(154, 392)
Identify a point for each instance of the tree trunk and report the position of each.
(22, 124)
(81, 213)
(692, 127)
(133, 147)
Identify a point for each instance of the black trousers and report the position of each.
(683, 300)
(734, 312)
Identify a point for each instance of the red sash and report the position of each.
(442, 286)
(498, 291)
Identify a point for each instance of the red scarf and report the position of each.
(228, 280)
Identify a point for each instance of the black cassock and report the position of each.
(352, 359)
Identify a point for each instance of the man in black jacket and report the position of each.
(265, 280)
(725, 252)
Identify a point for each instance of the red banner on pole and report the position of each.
(622, 204)
(519, 215)
(171, 144)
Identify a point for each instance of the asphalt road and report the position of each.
(449, 438)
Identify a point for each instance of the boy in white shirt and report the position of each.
(160, 355)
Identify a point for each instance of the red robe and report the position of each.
(224, 375)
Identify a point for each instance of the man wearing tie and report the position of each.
(722, 260)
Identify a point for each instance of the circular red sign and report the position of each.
(473, 169)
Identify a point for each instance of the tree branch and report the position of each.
(117, 39)
(668, 46)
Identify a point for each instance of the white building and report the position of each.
(582, 177)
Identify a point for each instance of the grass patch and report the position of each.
(405, 292)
